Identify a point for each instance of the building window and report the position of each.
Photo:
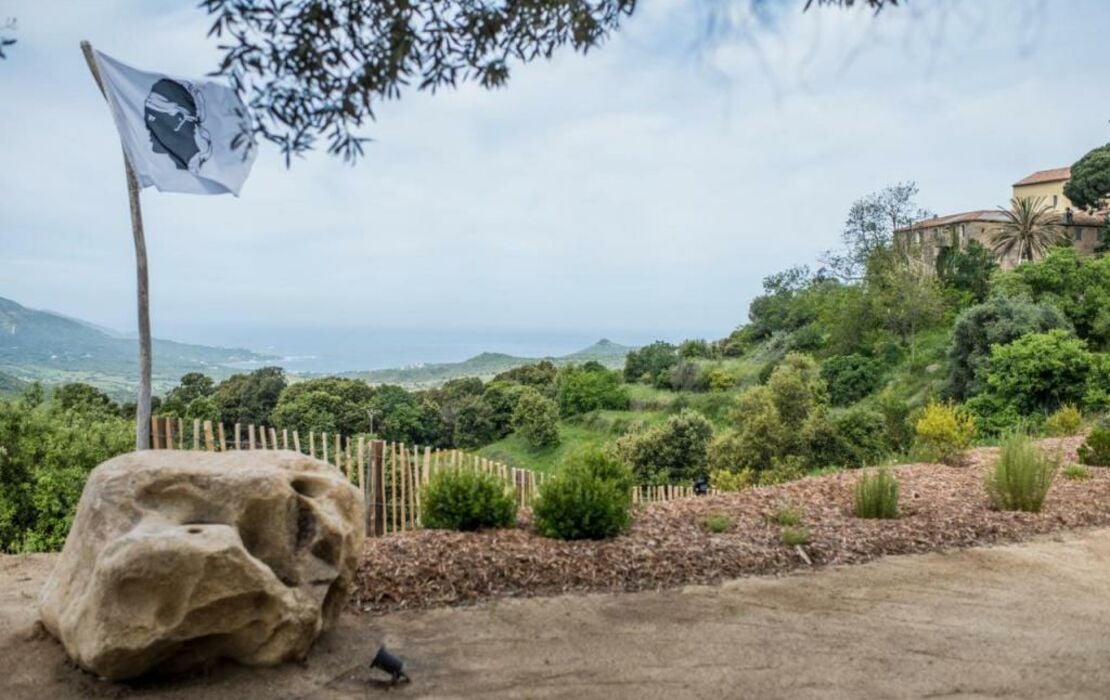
(1078, 234)
(1055, 199)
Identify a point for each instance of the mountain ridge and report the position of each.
(51, 347)
(487, 364)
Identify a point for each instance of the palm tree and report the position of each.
(1030, 226)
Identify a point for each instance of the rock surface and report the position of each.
(179, 558)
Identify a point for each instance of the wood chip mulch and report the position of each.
(940, 507)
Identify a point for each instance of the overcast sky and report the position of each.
(643, 189)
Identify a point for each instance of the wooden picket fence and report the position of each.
(390, 475)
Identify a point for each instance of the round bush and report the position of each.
(1096, 449)
(584, 503)
(467, 500)
(850, 378)
(943, 433)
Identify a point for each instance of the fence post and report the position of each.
(273, 438)
(375, 510)
(262, 437)
(404, 457)
(311, 443)
(413, 515)
(250, 436)
(362, 467)
(324, 445)
(296, 441)
(222, 436)
(285, 438)
(155, 438)
(393, 486)
(209, 439)
(238, 436)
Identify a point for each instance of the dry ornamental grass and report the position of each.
(668, 544)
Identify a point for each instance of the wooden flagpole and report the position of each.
(142, 406)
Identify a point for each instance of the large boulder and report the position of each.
(179, 558)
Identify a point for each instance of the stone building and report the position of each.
(1081, 228)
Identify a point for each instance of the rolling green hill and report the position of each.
(488, 364)
(49, 347)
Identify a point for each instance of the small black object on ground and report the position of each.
(391, 664)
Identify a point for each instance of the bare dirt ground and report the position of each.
(1025, 620)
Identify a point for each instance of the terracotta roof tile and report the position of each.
(1053, 175)
(1079, 218)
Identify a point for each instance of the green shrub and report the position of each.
(46, 454)
(717, 523)
(1022, 476)
(589, 387)
(999, 320)
(603, 464)
(795, 536)
(674, 451)
(760, 435)
(585, 500)
(993, 416)
(536, 419)
(863, 432)
(796, 388)
(897, 428)
(719, 379)
(461, 499)
(650, 362)
(727, 481)
(789, 468)
(850, 378)
(785, 515)
(725, 453)
(1042, 371)
(1077, 472)
(1095, 450)
(877, 495)
(687, 376)
(943, 433)
(1065, 421)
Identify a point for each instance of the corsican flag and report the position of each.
(179, 135)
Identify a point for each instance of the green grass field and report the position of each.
(591, 430)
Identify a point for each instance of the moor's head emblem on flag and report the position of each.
(175, 122)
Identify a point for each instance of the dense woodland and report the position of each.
(864, 361)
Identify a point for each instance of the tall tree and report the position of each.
(1089, 186)
(314, 69)
(870, 227)
(1030, 228)
(905, 292)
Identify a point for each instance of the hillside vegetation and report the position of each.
(877, 357)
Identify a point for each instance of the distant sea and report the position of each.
(331, 350)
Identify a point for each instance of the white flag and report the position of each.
(179, 135)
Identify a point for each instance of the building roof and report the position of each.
(996, 216)
(1053, 175)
